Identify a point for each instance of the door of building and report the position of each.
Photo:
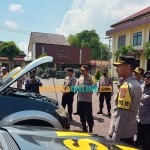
(6, 65)
(148, 65)
(137, 63)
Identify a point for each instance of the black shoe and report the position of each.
(84, 128)
(76, 113)
(137, 143)
(90, 129)
(100, 112)
(109, 114)
(70, 118)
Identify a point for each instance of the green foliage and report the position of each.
(45, 65)
(9, 50)
(126, 51)
(90, 39)
(97, 74)
(147, 50)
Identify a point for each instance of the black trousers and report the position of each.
(85, 113)
(144, 135)
(67, 99)
(107, 97)
(77, 104)
(129, 141)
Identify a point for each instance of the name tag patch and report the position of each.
(105, 89)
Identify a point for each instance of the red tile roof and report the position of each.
(15, 59)
(136, 15)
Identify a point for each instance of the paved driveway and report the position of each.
(101, 122)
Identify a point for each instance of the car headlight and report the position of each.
(61, 111)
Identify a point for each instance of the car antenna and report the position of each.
(55, 90)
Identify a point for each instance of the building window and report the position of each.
(42, 49)
(137, 38)
(148, 64)
(137, 63)
(51, 65)
(121, 41)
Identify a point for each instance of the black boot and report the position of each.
(100, 112)
(109, 114)
(70, 116)
(90, 129)
(84, 128)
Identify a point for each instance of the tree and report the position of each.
(9, 50)
(90, 39)
(97, 75)
(45, 65)
(126, 51)
(147, 50)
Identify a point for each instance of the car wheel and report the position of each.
(34, 122)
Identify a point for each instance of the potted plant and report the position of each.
(147, 50)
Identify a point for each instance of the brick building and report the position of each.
(58, 47)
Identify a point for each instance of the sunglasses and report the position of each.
(146, 77)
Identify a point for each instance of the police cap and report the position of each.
(139, 70)
(84, 67)
(70, 70)
(105, 69)
(125, 60)
(32, 71)
(4, 68)
(147, 74)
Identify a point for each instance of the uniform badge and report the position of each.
(123, 93)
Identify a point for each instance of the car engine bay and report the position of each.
(22, 93)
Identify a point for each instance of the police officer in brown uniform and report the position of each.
(123, 124)
(67, 98)
(138, 73)
(85, 98)
(105, 83)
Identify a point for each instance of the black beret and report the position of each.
(125, 60)
(84, 67)
(70, 70)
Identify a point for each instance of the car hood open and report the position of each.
(18, 74)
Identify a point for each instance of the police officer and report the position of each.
(143, 116)
(4, 71)
(33, 83)
(138, 73)
(67, 98)
(85, 98)
(105, 82)
(123, 124)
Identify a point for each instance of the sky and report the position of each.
(18, 18)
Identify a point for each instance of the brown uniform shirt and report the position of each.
(123, 121)
(69, 81)
(85, 81)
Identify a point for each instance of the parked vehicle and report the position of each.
(39, 138)
(22, 107)
(61, 74)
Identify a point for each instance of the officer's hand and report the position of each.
(111, 94)
(97, 93)
(30, 82)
